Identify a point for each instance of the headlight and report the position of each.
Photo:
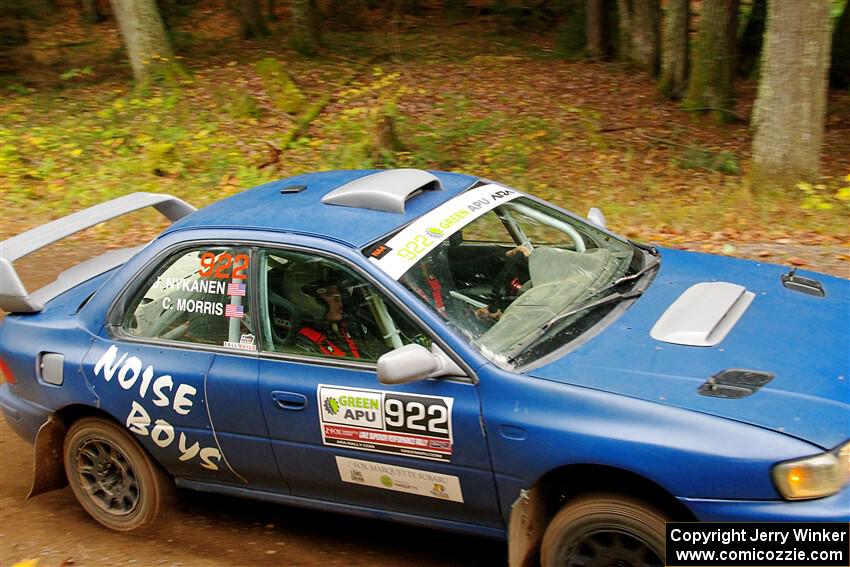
(844, 462)
(814, 477)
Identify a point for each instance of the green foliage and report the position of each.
(306, 31)
(18, 88)
(239, 103)
(280, 88)
(701, 158)
(440, 141)
(162, 73)
(74, 73)
(363, 135)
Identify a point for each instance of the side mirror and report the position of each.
(595, 216)
(415, 362)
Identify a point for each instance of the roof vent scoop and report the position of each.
(383, 191)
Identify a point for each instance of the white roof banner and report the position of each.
(414, 242)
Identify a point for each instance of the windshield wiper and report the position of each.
(650, 265)
(611, 298)
(615, 297)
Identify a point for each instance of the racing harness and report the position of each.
(326, 346)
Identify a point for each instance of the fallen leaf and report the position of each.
(796, 261)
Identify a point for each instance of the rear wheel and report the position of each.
(112, 477)
(604, 530)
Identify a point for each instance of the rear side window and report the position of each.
(199, 296)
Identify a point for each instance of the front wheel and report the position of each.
(112, 477)
(604, 530)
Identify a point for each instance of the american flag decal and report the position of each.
(235, 289)
(236, 311)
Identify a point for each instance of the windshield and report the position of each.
(506, 271)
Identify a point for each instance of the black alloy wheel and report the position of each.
(605, 530)
(112, 476)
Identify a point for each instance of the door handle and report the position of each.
(289, 400)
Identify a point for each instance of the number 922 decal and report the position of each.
(386, 422)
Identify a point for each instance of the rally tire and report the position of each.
(604, 529)
(112, 476)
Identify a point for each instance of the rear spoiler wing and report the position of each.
(14, 297)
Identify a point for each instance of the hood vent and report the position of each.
(703, 315)
(735, 383)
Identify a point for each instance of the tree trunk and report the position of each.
(144, 37)
(13, 41)
(710, 88)
(597, 29)
(840, 73)
(306, 27)
(789, 114)
(674, 49)
(645, 35)
(624, 27)
(252, 23)
(749, 48)
(639, 38)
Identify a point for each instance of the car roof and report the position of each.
(265, 207)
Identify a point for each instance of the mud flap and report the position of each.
(48, 470)
(525, 530)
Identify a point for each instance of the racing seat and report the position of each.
(285, 316)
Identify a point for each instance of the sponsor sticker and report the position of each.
(400, 479)
(246, 342)
(409, 246)
(379, 251)
(386, 422)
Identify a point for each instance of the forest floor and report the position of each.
(473, 96)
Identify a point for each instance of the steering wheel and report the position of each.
(508, 272)
(294, 315)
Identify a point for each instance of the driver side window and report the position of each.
(314, 306)
(199, 297)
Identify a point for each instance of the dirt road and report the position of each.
(215, 531)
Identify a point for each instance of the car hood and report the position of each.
(801, 339)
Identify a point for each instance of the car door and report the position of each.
(338, 434)
(180, 370)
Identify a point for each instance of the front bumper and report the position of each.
(835, 508)
(23, 416)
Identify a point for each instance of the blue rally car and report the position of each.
(435, 349)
